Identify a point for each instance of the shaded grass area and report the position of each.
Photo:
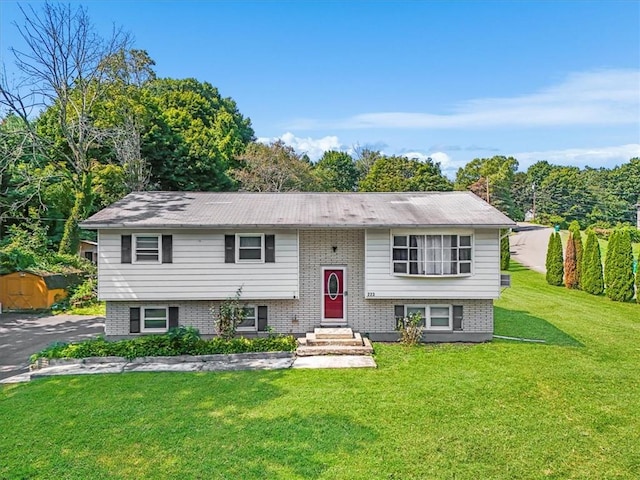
(500, 410)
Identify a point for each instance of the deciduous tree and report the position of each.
(336, 172)
(273, 168)
(62, 67)
(401, 174)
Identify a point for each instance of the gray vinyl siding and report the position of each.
(483, 283)
(198, 271)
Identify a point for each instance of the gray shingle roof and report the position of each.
(297, 210)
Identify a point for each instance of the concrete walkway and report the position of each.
(205, 363)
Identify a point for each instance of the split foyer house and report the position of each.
(302, 260)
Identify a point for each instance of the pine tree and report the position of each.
(619, 269)
(592, 280)
(505, 252)
(574, 228)
(555, 270)
(570, 264)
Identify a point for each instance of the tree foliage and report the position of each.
(571, 263)
(273, 168)
(401, 174)
(491, 179)
(191, 135)
(619, 267)
(574, 229)
(555, 259)
(505, 251)
(336, 172)
(592, 280)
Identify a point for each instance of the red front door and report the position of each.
(333, 293)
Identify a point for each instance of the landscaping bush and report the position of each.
(178, 341)
(505, 251)
(555, 269)
(574, 228)
(85, 294)
(410, 329)
(592, 279)
(619, 267)
(571, 264)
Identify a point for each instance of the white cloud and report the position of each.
(581, 157)
(606, 97)
(312, 147)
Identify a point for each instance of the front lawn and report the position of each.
(566, 409)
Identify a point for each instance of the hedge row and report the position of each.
(178, 341)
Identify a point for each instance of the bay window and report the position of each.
(432, 254)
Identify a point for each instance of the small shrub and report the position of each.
(178, 341)
(231, 315)
(85, 294)
(410, 329)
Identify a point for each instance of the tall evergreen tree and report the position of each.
(592, 279)
(577, 243)
(612, 247)
(619, 268)
(570, 264)
(555, 270)
(505, 251)
(638, 285)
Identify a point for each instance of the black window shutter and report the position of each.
(399, 311)
(134, 319)
(457, 317)
(125, 249)
(173, 317)
(262, 319)
(270, 248)
(167, 248)
(229, 249)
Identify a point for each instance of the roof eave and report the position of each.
(280, 226)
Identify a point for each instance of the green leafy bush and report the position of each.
(555, 259)
(231, 314)
(410, 329)
(592, 280)
(178, 341)
(505, 251)
(618, 267)
(85, 294)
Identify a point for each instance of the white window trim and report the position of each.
(262, 248)
(134, 249)
(427, 318)
(444, 275)
(255, 327)
(154, 330)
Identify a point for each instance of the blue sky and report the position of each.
(557, 81)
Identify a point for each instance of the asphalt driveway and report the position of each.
(22, 334)
(529, 245)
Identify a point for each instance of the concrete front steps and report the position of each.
(333, 341)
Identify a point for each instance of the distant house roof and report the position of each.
(146, 210)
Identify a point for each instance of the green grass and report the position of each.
(569, 408)
(98, 309)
